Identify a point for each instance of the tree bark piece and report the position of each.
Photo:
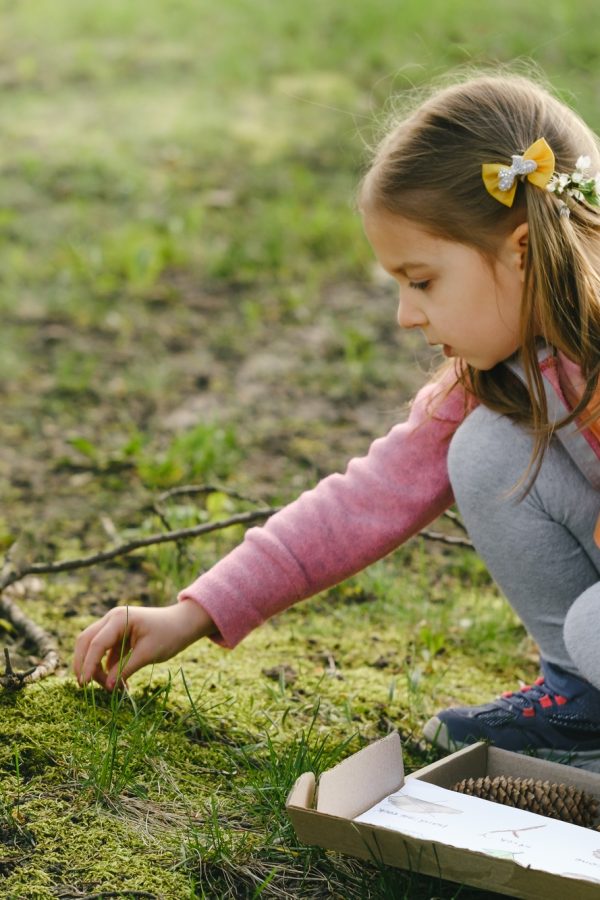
(42, 642)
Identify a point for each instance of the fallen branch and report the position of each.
(454, 517)
(12, 574)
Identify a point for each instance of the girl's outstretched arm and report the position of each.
(344, 524)
(129, 637)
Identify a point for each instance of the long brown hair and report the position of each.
(428, 169)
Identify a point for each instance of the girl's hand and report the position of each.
(134, 636)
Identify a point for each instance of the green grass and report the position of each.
(187, 294)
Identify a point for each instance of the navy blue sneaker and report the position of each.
(557, 718)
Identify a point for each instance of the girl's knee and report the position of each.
(581, 632)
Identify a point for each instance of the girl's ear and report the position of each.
(518, 242)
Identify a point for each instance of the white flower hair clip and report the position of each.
(580, 185)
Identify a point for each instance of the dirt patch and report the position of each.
(303, 393)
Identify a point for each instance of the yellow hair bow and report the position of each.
(537, 163)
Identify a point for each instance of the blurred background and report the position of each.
(186, 290)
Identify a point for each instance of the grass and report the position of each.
(116, 744)
(186, 294)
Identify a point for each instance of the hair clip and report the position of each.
(536, 164)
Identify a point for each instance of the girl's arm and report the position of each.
(341, 526)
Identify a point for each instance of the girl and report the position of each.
(481, 204)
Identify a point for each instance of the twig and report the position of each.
(11, 680)
(450, 514)
(45, 643)
(12, 574)
(332, 670)
(190, 490)
(159, 511)
(446, 539)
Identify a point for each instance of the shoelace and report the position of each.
(526, 697)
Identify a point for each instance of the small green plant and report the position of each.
(119, 739)
(75, 372)
(202, 728)
(272, 769)
(431, 641)
(207, 450)
(359, 348)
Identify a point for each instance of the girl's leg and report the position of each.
(540, 549)
(541, 552)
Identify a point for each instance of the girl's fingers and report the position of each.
(109, 635)
(122, 668)
(116, 655)
(115, 665)
(81, 645)
(99, 675)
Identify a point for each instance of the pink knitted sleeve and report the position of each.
(341, 526)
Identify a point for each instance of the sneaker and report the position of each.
(557, 718)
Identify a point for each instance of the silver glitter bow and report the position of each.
(520, 166)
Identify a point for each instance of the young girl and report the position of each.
(482, 205)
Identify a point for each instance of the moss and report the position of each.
(95, 852)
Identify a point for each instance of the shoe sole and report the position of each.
(436, 732)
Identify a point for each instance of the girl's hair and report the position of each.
(428, 170)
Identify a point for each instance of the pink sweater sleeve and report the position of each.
(341, 526)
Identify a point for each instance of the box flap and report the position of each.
(363, 779)
(302, 795)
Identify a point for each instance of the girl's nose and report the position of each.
(409, 314)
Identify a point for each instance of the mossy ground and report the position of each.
(187, 295)
(183, 802)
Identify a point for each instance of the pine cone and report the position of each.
(557, 801)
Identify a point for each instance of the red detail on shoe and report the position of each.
(529, 711)
(507, 693)
(526, 687)
(546, 701)
(540, 680)
(560, 700)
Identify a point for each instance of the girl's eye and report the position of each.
(419, 285)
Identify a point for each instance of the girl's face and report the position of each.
(459, 300)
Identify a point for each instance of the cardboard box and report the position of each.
(324, 814)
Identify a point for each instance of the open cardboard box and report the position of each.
(323, 814)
